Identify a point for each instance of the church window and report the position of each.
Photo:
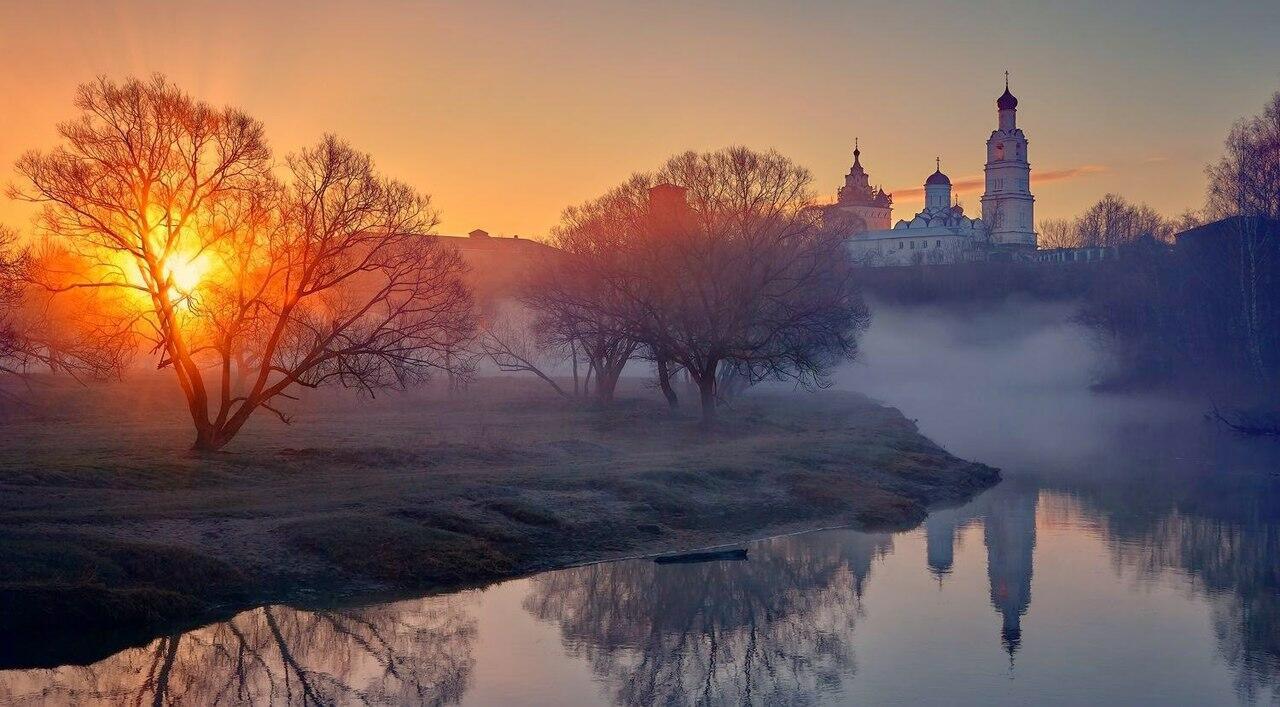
(913, 245)
(937, 243)
(999, 151)
(899, 245)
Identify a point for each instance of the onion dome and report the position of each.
(937, 177)
(1006, 101)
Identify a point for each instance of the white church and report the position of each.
(941, 233)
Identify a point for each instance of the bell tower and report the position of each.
(1008, 208)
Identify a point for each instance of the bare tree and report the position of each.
(1245, 183)
(1113, 221)
(13, 266)
(246, 287)
(514, 347)
(1057, 233)
(741, 276)
(715, 264)
(37, 333)
(1246, 180)
(582, 304)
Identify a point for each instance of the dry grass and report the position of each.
(102, 509)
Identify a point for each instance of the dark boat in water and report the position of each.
(726, 554)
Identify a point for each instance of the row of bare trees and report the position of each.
(248, 281)
(1114, 222)
(711, 269)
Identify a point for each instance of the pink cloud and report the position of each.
(976, 182)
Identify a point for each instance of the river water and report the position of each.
(1130, 556)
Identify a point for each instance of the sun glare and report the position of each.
(187, 273)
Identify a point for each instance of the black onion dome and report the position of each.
(1006, 101)
(937, 178)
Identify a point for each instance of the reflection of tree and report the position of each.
(1210, 510)
(1237, 567)
(416, 652)
(774, 629)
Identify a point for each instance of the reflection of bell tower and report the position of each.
(1009, 532)
(941, 529)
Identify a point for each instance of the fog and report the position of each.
(1008, 383)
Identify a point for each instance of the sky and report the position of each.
(506, 112)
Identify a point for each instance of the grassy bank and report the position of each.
(108, 527)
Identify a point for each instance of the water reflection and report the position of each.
(1008, 517)
(765, 631)
(1212, 515)
(1183, 538)
(416, 652)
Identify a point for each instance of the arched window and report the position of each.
(999, 151)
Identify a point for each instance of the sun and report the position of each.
(186, 274)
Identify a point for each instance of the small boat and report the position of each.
(727, 554)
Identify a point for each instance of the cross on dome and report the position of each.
(1006, 101)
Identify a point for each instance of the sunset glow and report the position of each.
(187, 272)
(507, 112)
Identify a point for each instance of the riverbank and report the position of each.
(111, 528)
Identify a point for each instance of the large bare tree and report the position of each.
(735, 273)
(716, 265)
(246, 286)
(581, 305)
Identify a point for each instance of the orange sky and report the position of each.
(507, 112)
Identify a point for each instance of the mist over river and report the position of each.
(1130, 556)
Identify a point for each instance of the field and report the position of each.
(109, 527)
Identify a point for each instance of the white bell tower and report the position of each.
(1008, 208)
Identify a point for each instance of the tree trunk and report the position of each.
(664, 382)
(209, 439)
(606, 382)
(573, 355)
(707, 393)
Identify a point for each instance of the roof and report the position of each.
(1006, 101)
(937, 178)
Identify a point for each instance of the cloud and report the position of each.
(1057, 175)
(976, 182)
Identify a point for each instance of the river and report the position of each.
(1130, 556)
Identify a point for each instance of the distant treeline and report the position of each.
(1204, 313)
(966, 283)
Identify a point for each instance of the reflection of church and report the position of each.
(941, 233)
(1009, 533)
